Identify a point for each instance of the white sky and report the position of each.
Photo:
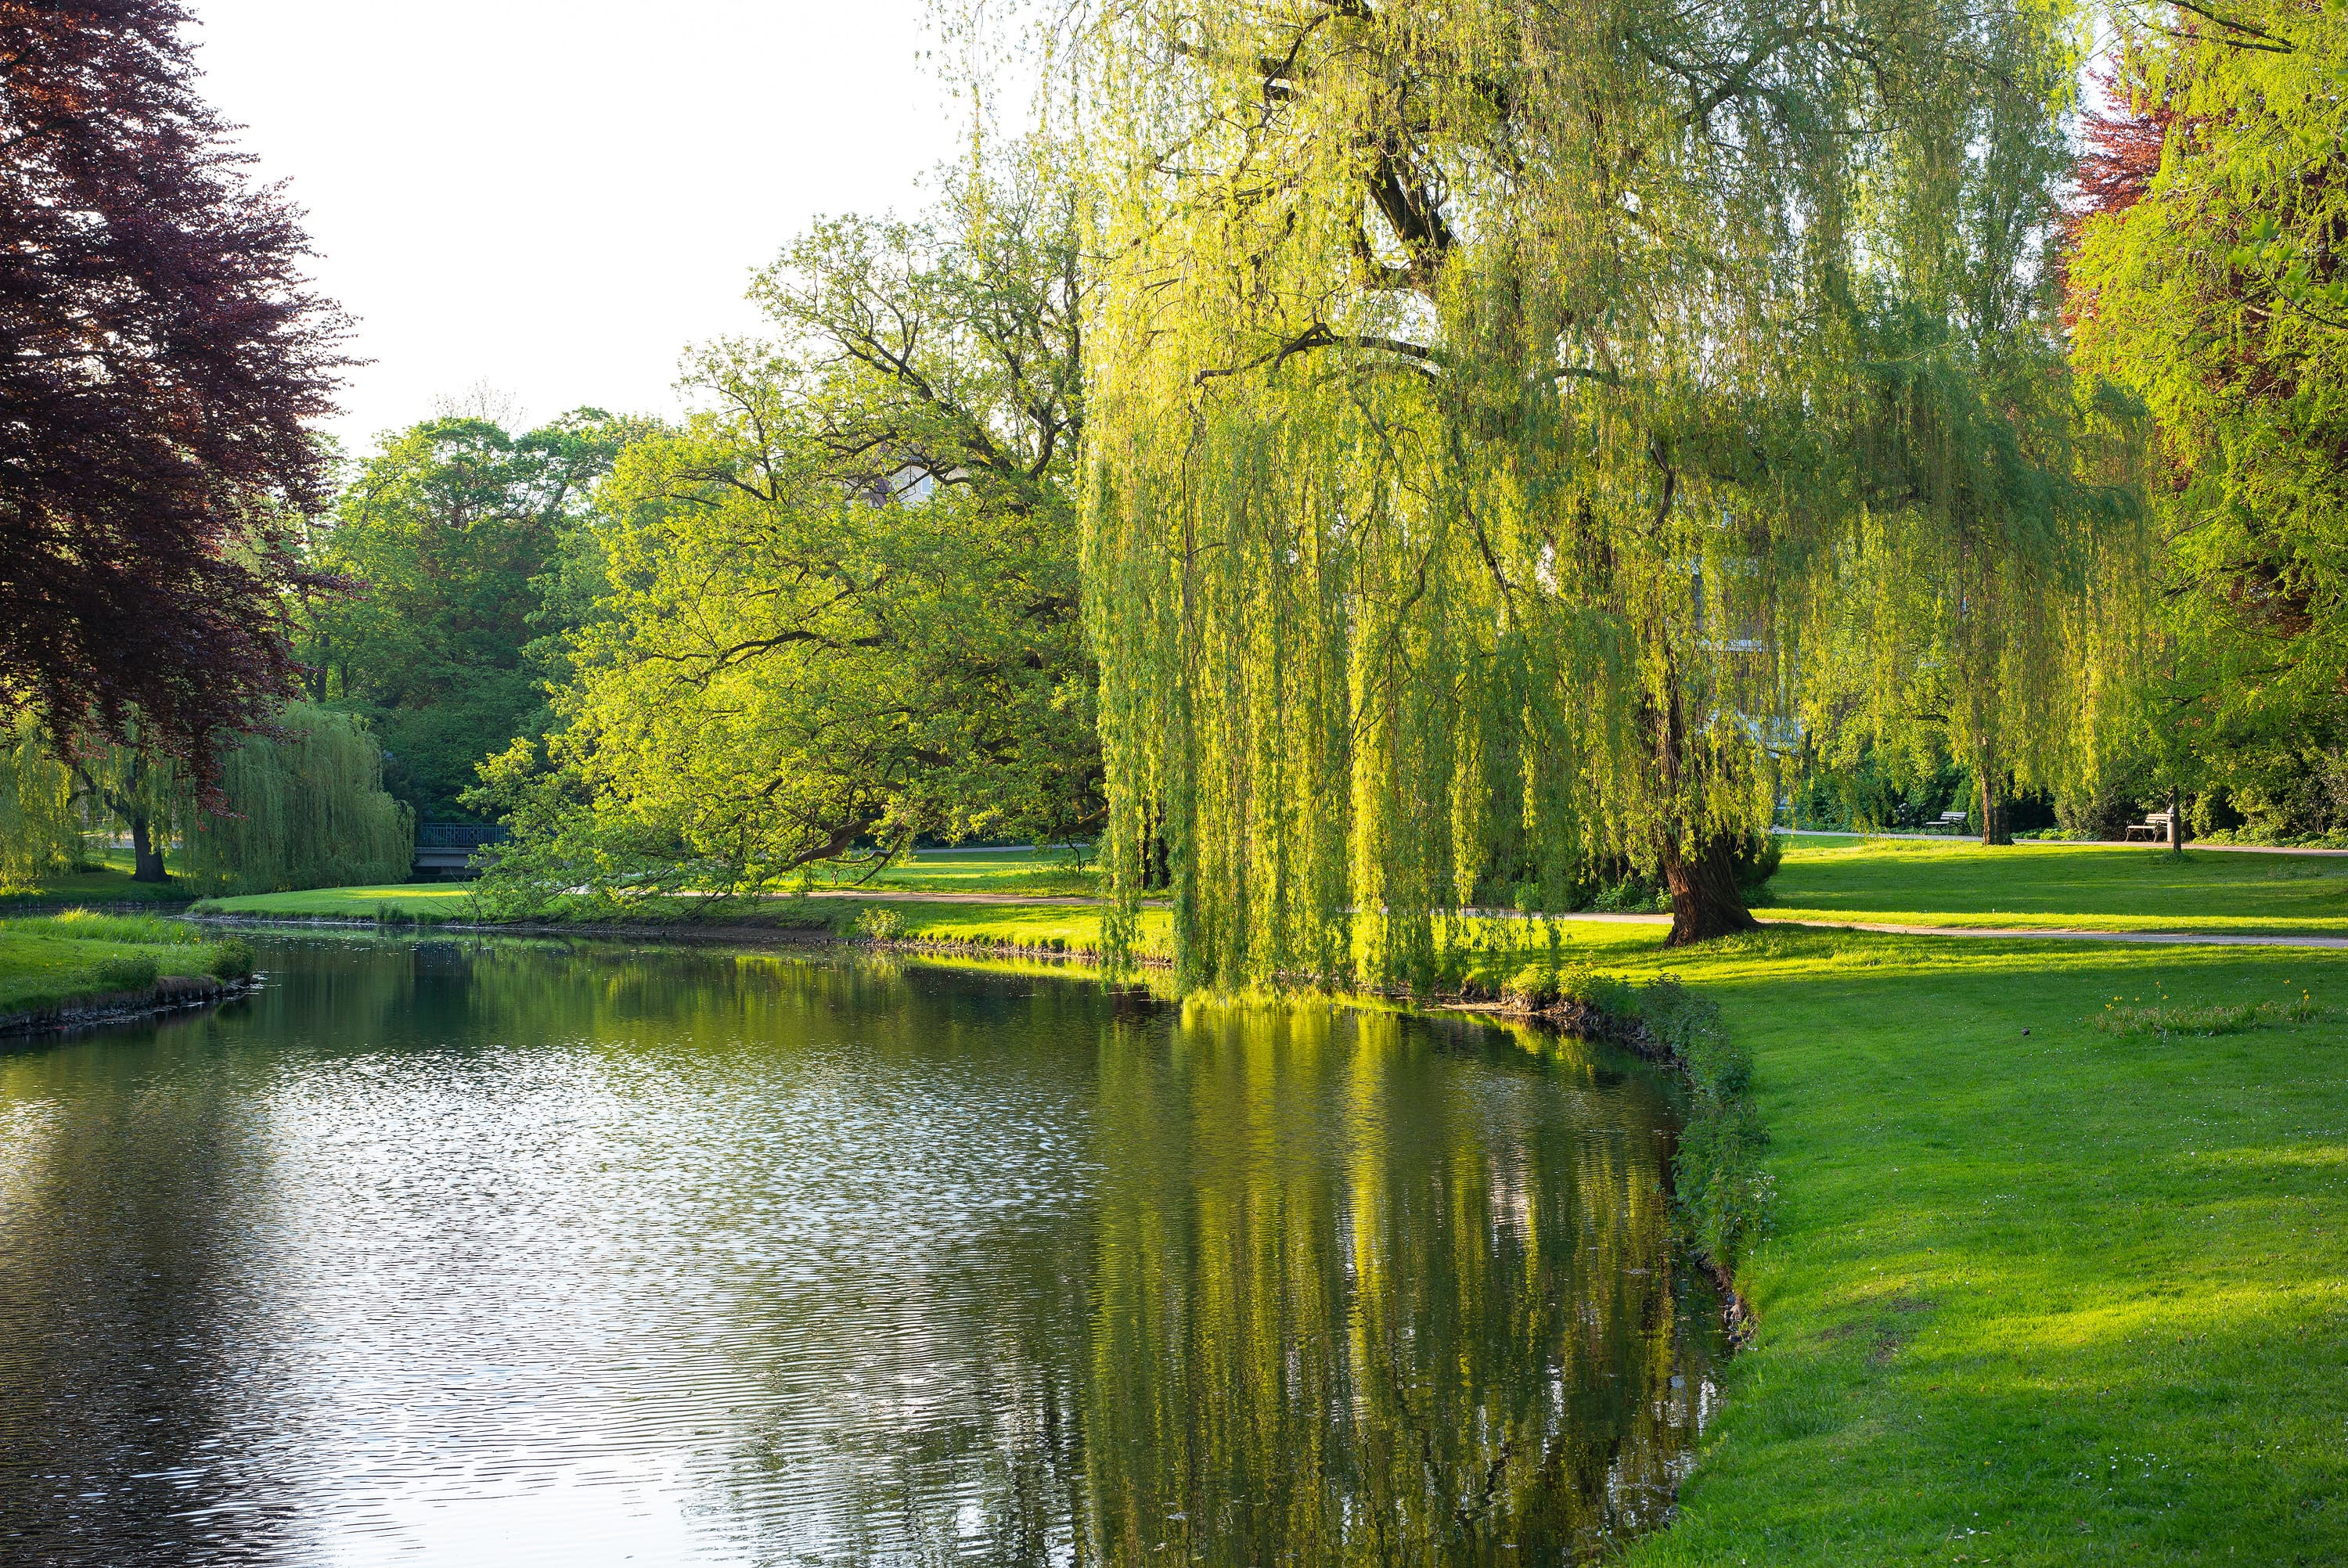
(554, 199)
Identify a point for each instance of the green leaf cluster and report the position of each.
(444, 559)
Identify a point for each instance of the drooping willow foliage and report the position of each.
(40, 827)
(306, 808)
(303, 808)
(1509, 419)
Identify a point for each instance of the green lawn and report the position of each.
(1026, 873)
(2053, 1296)
(1054, 928)
(1899, 881)
(109, 884)
(433, 900)
(1029, 871)
(2104, 887)
(49, 962)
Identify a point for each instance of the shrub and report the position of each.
(233, 959)
(1631, 896)
(1723, 1194)
(879, 925)
(1757, 859)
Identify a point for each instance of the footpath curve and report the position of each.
(2001, 933)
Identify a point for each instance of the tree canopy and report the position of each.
(2207, 280)
(838, 606)
(444, 555)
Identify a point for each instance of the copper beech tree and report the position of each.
(159, 354)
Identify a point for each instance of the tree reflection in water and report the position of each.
(508, 1252)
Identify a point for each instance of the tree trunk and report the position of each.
(2176, 824)
(1705, 902)
(146, 855)
(1990, 809)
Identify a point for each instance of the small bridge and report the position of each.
(445, 850)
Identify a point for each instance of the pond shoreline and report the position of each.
(169, 994)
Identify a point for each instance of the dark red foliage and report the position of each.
(2123, 134)
(159, 355)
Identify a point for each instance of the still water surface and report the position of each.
(500, 1252)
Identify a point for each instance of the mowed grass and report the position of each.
(1021, 873)
(1054, 928)
(2098, 887)
(409, 900)
(1039, 872)
(2056, 1297)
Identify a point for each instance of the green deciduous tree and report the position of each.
(839, 607)
(1492, 400)
(441, 539)
(2209, 278)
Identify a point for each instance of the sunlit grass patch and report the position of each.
(89, 926)
(1041, 872)
(2136, 1349)
(2094, 886)
(407, 901)
(1074, 930)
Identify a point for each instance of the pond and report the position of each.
(503, 1252)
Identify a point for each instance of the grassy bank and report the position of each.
(2042, 1290)
(1047, 927)
(1894, 881)
(105, 881)
(62, 961)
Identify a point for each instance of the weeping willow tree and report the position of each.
(1490, 398)
(304, 807)
(55, 793)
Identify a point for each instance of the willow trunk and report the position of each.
(146, 852)
(1705, 900)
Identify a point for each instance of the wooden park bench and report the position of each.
(1948, 821)
(2155, 826)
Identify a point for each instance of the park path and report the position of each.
(2152, 844)
(2000, 933)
